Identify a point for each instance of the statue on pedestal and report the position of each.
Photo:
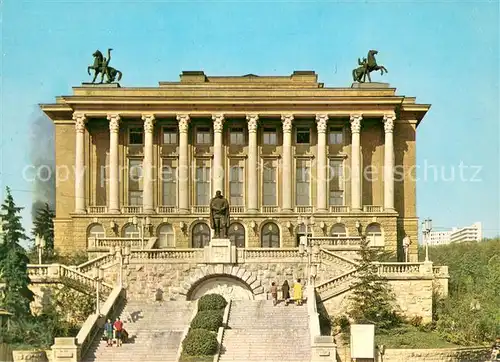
(368, 65)
(219, 215)
(101, 65)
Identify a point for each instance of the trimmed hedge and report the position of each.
(208, 319)
(200, 342)
(211, 302)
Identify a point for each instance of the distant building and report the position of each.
(457, 235)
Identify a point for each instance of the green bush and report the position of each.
(200, 342)
(211, 302)
(207, 319)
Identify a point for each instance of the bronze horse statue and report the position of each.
(101, 65)
(368, 65)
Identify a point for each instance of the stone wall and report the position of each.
(436, 355)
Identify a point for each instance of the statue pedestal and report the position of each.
(220, 251)
(101, 85)
(370, 85)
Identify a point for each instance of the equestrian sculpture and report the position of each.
(368, 65)
(219, 215)
(101, 65)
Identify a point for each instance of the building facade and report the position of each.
(473, 232)
(282, 149)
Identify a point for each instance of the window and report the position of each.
(269, 136)
(338, 231)
(236, 234)
(135, 184)
(302, 183)
(236, 184)
(336, 183)
(236, 136)
(335, 136)
(270, 236)
(203, 136)
(169, 183)
(166, 236)
(201, 235)
(131, 231)
(202, 183)
(269, 176)
(374, 235)
(96, 231)
(136, 136)
(303, 135)
(169, 136)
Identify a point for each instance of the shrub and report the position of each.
(415, 321)
(207, 319)
(200, 342)
(211, 302)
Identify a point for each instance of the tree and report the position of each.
(44, 226)
(372, 300)
(13, 261)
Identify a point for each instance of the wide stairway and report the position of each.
(155, 332)
(259, 331)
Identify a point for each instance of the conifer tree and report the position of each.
(44, 226)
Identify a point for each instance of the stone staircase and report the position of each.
(155, 330)
(258, 331)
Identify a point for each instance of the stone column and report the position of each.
(80, 121)
(114, 175)
(355, 162)
(321, 164)
(286, 202)
(389, 162)
(252, 180)
(183, 167)
(147, 165)
(218, 166)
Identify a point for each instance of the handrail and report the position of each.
(220, 332)
(347, 260)
(312, 311)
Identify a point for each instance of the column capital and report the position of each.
(287, 119)
(322, 122)
(356, 123)
(183, 120)
(114, 122)
(389, 122)
(252, 120)
(218, 122)
(80, 120)
(149, 122)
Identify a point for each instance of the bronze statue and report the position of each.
(368, 65)
(219, 215)
(101, 65)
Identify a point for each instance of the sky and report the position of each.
(445, 53)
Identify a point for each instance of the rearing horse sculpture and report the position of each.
(101, 66)
(368, 65)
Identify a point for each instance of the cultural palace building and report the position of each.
(292, 156)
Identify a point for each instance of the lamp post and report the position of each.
(144, 223)
(427, 227)
(122, 253)
(98, 277)
(306, 246)
(40, 245)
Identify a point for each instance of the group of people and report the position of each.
(114, 332)
(285, 289)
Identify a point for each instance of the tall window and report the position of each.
(302, 183)
(335, 136)
(336, 187)
(236, 234)
(338, 231)
(131, 231)
(169, 136)
(169, 183)
(136, 136)
(203, 136)
(236, 183)
(374, 235)
(201, 235)
(135, 182)
(269, 178)
(270, 236)
(96, 231)
(166, 236)
(236, 136)
(269, 136)
(303, 135)
(203, 182)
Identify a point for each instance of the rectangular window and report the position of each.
(236, 136)
(169, 136)
(335, 136)
(303, 135)
(203, 136)
(169, 183)
(202, 180)
(336, 187)
(136, 136)
(302, 183)
(236, 184)
(269, 136)
(135, 182)
(269, 178)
